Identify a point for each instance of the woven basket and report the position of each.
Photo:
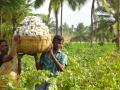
(3, 85)
(32, 45)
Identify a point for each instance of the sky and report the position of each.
(70, 17)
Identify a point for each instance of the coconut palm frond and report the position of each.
(38, 3)
(72, 4)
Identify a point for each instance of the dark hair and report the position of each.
(58, 37)
(2, 40)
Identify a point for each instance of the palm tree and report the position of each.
(115, 7)
(0, 22)
(80, 31)
(73, 4)
(55, 6)
(105, 21)
(2, 7)
(14, 11)
(61, 26)
(117, 19)
(92, 22)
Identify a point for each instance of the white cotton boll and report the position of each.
(32, 30)
(44, 32)
(47, 30)
(45, 27)
(39, 33)
(15, 33)
(42, 24)
(33, 26)
(26, 23)
(38, 26)
(21, 33)
(36, 21)
(29, 34)
(34, 34)
(39, 21)
(39, 29)
(26, 31)
(29, 28)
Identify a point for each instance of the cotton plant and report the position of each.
(32, 26)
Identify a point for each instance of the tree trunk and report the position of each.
(118, 25)
(1, 36)
(61, 17)
(1, 26)
(92, 23)
(56, 18)
(98, 3)
(14, 22)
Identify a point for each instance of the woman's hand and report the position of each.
(13, 52)
(7, 58)
(17, 38)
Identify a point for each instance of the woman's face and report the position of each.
(4, 47)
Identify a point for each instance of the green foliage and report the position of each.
(2, 78)
(104, 31)
(30, 76)
(74, 4)
(38, 3)
(12, 12)
(95, 68)
(81, 33)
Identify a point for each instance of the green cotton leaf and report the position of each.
(106, 5)
(52, 80)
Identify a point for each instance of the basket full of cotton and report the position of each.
(34, 35)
